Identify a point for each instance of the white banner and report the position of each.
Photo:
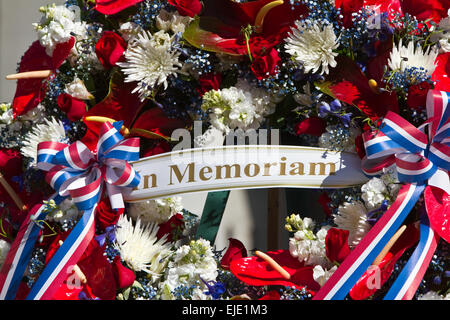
(244, 167)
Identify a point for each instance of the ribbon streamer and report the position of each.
(73, 171)
(419, 160)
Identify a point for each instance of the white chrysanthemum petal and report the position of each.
(50, 130)
(312, 45)
(140, 248)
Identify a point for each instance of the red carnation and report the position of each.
(417, 95)
(209, 81)
(265, 66)
(314, 126)
(105, 216)
(236, 250)
(189, 8)
(110, 49)
(73, 107)
(169, 227)
(336, 243)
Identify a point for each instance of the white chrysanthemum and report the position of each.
(352, 217)
(156, 211)
(50, 130)
(140, 248)
(239, 107)
(4, 249)
(78, 90)
(412, 56)
(312, 45)
(190, 264)
(373, 193)
(322, 275)
(58, 25)
(150, 61)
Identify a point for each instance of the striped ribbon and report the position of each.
(73, 171)
(419, 160)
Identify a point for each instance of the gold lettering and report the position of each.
(237, 171)
(147, 179)
(180, 176)
(299, 169)
(203, 172)
(283, 167)
(248, 167)
(267, 167)
(322, 166)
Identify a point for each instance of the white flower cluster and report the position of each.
(377, 190)
(58, 24)
(431, 295)
(150, 61)
(306, 246)
(140, 248)
(190, 265)
(442, 34)
(156, 211)
(172, 21)
(313, 45)
(239, 107)
(64, 211)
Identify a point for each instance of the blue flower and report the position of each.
(215, 289)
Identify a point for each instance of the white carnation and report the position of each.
(352, 217)
(78, 90)
(322, 275)
(373, 193)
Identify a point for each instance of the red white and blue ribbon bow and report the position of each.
(419, 160)
(73, 171)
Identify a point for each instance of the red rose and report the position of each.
(110, 7)
(169, 227)
(73, 107)
(189, 8)
(236, 250)
(265, 66)
(124, 276)
(348, 7)
(110, 49)
(417, 95)
(336, 243)
(105, 215)
(314, 126)
(210, 81)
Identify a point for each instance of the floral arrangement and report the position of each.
(324, 72)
